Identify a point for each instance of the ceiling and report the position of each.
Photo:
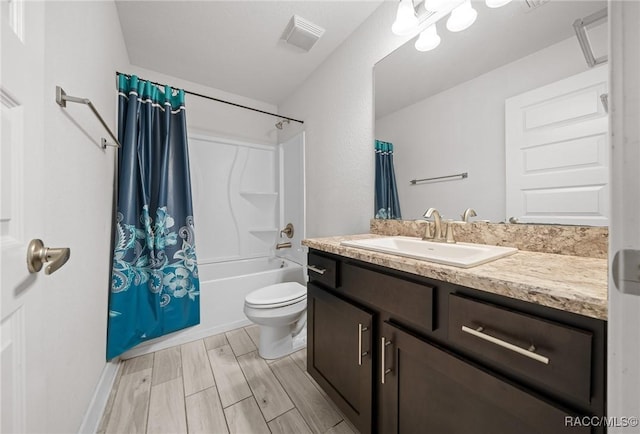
(235, 46)
(498, 37)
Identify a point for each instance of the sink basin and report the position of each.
(464, 255)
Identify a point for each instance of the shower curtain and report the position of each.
(387, 205)
(154, 284)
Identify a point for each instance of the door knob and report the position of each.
(38, 255)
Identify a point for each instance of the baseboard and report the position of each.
(93, 415)
(181, 337)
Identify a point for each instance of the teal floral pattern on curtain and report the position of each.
(154, 287)
(387, 203)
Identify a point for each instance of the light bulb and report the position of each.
(496, 3)
(428, 39)
(406, 21)
(462, 17)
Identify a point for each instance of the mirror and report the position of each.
(500, 101)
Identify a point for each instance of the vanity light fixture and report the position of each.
(406, 21)
(429, 12)
(462, 17)
(428, 39)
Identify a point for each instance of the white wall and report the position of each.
(336, 103)
(84, 46)
(462, 130)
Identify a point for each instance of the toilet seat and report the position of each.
(274, 305)
(278, 295)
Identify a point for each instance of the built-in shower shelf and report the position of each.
(265, 201)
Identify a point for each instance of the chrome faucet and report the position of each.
(469, 212)
(437, 233)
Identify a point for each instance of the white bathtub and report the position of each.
(223, 288)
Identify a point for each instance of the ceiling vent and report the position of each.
(302, 33)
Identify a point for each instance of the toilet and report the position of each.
(281, 312)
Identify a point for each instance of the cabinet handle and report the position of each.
(525, 352)
(315, 269)
(361, 329)
(383, 371)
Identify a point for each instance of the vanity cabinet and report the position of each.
(424, 388)
(400, 353)
(552, 354)
(338, 351)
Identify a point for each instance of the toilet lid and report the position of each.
(277, 294)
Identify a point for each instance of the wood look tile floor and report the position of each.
(219, 385)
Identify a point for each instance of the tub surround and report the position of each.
(570, 283)
(586, 241)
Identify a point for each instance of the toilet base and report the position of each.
(300, 341)
(276, 342)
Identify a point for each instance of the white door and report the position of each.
(623, 363)
(557, 156)
(23, 398)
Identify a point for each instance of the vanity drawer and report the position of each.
(550, 354)
(408, 302)
(323, 270)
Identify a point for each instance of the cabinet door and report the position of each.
(428, 390)
(339, 353)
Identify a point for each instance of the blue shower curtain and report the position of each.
(387, 205)
(154, 286)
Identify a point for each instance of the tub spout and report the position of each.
(283, 246)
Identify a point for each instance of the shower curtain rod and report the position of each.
(222, 101)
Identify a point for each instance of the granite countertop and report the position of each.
(570, 283)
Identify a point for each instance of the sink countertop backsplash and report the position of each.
(574, 283)
(586, 241)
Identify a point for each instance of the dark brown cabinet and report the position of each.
(401, 353)
(427, 389)
(547, 352)
(339, 353)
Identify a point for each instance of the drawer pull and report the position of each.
(361, 329)
(383, 370)
(315, 269)
(525, 352)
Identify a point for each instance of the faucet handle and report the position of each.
(469, 212)
(288, 230)
(449, 237)
(427, 232)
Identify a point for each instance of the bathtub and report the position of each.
(223, 288)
